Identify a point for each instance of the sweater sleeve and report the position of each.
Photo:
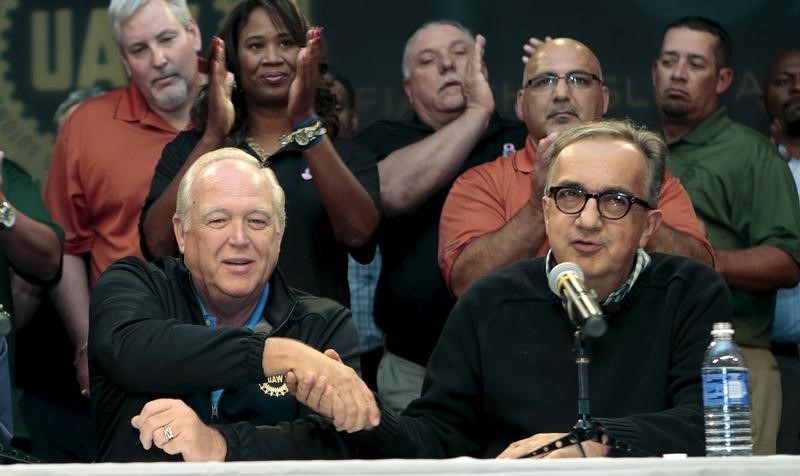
(679, 429)
(313, 437)
(448, 420)
(145, 340)
(445, 422)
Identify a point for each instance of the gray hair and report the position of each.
(184, 201)
(651, 145)
(120, 10)
(75, 97)
(407, 50)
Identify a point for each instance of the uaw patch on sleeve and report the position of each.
(275, 386)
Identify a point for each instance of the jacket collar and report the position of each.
(279, 309)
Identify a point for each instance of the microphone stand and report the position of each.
(585, 429)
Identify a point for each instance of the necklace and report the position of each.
(263, 157)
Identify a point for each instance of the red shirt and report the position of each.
(487, 196)
(100, 173)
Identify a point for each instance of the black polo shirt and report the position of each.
(311, 259)
(412, 301)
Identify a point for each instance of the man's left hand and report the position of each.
(523, 448)
(171, 425)
(476, 87)
(539, 175)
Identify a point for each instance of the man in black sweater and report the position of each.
(504, 368)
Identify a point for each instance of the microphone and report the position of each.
(566, 281)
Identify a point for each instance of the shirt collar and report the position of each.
(708, 129)
(255, 317)
(641, 262)
(524, 160)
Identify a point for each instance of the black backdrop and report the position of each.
(48, 48)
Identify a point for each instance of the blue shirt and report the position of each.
(362, 279)
(786, 327)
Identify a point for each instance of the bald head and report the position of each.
(559, 47)
(782, 91)
(547, 107)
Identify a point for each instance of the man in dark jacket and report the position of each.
(220, 329)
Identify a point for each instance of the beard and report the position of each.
(791, 117)
(674, 110)
(173, 97)
(793, 127)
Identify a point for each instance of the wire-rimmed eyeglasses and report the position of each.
(574, 79)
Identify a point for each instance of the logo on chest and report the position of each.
(275, 386)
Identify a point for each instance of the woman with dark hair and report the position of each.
(265, 95)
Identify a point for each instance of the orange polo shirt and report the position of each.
(100, 173)
(487, 196)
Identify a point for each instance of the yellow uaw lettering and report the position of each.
(630, 96)
(748, 86)
(612, 81)
(99, 59)
(42, 38)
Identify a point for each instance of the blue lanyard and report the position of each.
(211, 322)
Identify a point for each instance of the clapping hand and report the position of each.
(303, 90)
(221, 113)
(529, 48)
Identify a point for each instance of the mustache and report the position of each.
(562, 108)
(449, 79)
(791, 102)
(165, 72)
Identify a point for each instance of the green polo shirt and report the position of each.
(745, 195)
(22, 193)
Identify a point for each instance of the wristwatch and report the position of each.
(7, 215)
(305, 136)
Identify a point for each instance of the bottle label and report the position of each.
(725, 387)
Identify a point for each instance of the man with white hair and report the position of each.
(219, 329)
(454, 127)
(502, 379)
(106, 152)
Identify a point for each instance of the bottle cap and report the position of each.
(674, 455)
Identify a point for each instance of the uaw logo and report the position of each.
(275, 386)
(49, 49)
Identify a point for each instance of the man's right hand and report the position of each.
(323, 383)
(221, 113)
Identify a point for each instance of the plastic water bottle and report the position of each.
(726, 400)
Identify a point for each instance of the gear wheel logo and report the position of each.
(275, 386)
(21, 136)
(47, 50)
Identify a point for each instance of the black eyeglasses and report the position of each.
(610, 205)
(575, 79)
